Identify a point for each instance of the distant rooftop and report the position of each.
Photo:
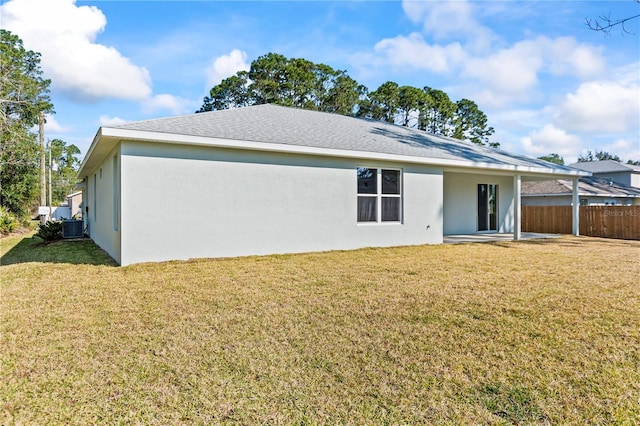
(592, 185)
(605, 166)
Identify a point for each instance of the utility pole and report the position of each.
(50, 166)
(43, 178)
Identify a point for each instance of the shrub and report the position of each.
(8, 222)
(51, 230)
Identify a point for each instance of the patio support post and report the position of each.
(575, 208)
(517, 207)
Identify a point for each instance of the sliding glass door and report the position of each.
(487, 207)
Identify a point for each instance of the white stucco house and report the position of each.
(270, 179)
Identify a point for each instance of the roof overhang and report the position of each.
(107, 138)
(582, 194)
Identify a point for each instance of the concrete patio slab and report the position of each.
(492, 237)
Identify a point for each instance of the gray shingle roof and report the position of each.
(605, 166)
(291, 126)
(591, 185)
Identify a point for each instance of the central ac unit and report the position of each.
(72, 229)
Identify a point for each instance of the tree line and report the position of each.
(297, 82)
(590, 155)
(24, 98)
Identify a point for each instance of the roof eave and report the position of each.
(82, 172)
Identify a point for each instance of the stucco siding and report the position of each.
(461, 198)
(102, 196)
(563, 200)
(181, 202)
(623, 178)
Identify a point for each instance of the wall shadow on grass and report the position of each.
(570, 241)
(76, 252)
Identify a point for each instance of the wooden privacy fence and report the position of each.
(595, 221)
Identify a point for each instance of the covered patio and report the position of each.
(482, 206)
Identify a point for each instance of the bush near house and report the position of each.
(50, 231)
(8, 222)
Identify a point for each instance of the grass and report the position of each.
(30, 248)
(537, 332)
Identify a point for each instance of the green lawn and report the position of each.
(537, 332)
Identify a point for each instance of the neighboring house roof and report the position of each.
(605, 166)
(588, 186)
(283, 129)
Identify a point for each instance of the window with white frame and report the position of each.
(379, 195)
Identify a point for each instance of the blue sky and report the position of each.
(546, 83)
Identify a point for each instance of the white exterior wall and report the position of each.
(101, 192)
(461, 202)
(75, 202)
(181, 202)
(61, 212)
(564, 200)
(623, 178)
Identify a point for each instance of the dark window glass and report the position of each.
(390, 181)
(367, 208)
(390, 209)
(367, 181)
(483, 206)
(493, 208)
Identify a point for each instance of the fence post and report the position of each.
(575, 208)
(517, 207)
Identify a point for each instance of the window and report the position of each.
(379, 195)
(95, 197)
(116, 196)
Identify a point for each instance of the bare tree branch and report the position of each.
(605, 24)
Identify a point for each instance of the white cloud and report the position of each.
(453, 42)
(450, 19)
(166, 102)
(415, 52)
(550, 139)
(494, 77)
(107, 121)
(565, 55)
(627, 75)
(626, 149)
(512, 74)
(51, 125)
(225, 66)
(65, 35)
(513, 70)
(603, 106)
